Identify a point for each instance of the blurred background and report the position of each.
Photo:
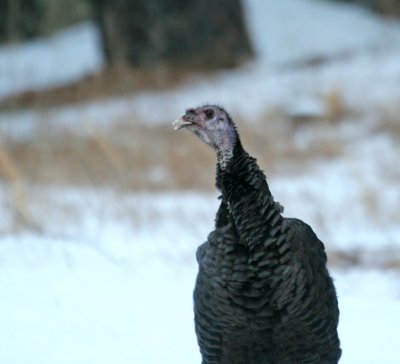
(103, 205)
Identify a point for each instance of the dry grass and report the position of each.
(384, 259)
(126, 157)
(17, 193)
(140, 157)
(111, 82)
(136, 157)
(132, 157)
(390, 121)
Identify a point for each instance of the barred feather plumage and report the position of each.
(263, 293)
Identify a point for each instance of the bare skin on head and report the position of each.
(213, 125)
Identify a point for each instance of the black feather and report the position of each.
(263, 293)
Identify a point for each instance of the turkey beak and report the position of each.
(181, 123)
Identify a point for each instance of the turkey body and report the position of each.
(263, 294)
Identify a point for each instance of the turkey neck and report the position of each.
(251, 206)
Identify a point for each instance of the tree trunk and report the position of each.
(174, 33)
(23, 19)
(19, 19)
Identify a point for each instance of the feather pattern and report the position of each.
(263, 293)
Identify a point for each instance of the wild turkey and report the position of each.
(263, 294)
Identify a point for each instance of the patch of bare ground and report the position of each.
(136, 156)
(390, 121)
(387, 259)
(129, 157)
(111, 82)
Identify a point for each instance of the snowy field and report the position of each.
(108, 289)
(105, 276)
(45, 63)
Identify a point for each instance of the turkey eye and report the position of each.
(209, 113)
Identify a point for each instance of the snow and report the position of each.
(58, 60)
(107, 276)
(67, 303)
(73, 301)
(369, 317)
(288, 31)
(120, 289)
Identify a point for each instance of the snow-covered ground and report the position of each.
(108, 277)
(120, 290)
(44, 63)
